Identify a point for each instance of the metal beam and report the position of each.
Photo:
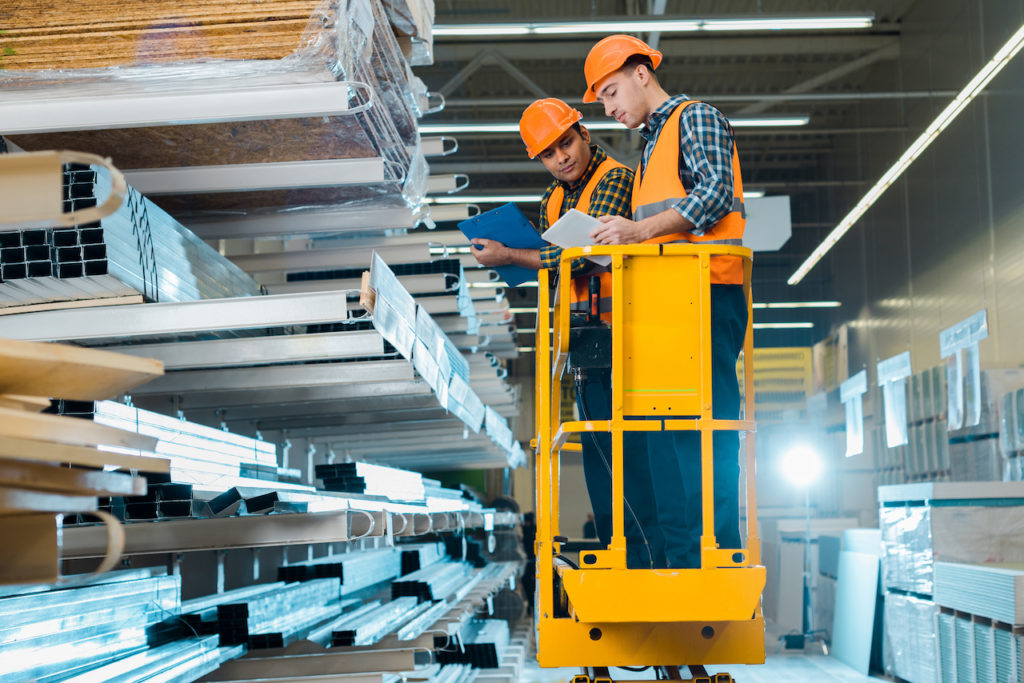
(430, 283)
(412, 396)
(301, 223)
(570, 52)
(140, 320)
(576, 99)
(295, 348)
(882, 53)
(277, 175)
(302, 394)
(269, 379)
(73, 108)
(329, 259)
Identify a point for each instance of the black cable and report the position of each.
(608, 467)
(635, 669)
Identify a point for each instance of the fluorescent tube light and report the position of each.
(753, 194)
(783, 326)
(486, 198)
(525, 349)
(769, 121)
(788, 24)
(941, 122)
(662, 25)
(798, 304)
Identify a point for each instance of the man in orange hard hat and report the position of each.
(687, 189)
(587, 179)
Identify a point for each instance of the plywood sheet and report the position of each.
(48, 451)
(98, 33)
(62, 371)
(32, 404)
(73, 480)
(69, 430)
(19, 501)
(241, 142)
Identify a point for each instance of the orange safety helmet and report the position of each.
(544, 121)
(609, 55)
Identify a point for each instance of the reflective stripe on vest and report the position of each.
(659, 188)
(579, 296)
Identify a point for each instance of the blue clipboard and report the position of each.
(508, 225)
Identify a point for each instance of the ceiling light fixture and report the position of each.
(941, 122)
(787, 121)
(753, 194)
(799, 304)
(783, 326)
(663, 25)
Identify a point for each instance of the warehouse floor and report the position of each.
(811, 665)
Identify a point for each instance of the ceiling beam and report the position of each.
(576, 49)
(575, 99)
(888, 52)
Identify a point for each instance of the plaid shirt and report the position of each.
(612, 196)
(705, 160)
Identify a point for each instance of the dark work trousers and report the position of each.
(594, 402)
(675, 456)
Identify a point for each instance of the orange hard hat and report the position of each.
(609, 55)
(544, 121)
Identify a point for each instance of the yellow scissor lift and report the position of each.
(604, 614)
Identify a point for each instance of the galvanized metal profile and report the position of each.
(221, 533)
(453, 212)
(430, 283)
(448, 183)
(302, 222)
(403, 396)
(140, 320)
(439, 146)
(197, 400)
(69, 109)
(325, 259)
(278, 175)
(278, 377)
(260, 350)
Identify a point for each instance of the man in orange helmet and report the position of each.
(587, 179)
(687, 189)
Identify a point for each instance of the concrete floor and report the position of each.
(797, 666)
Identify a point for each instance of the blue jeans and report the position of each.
(675, 456)
(644, 545)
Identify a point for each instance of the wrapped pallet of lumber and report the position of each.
(200, 54)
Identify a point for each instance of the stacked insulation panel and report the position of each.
(938, 607)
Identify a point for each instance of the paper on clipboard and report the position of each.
(573, 230)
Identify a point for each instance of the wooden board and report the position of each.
(74, 480)
(62, 371)
(69, 430)
(47, 451)
(19, 501)
(32, 404)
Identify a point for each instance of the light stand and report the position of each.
(802, 467)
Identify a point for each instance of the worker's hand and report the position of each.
(617, 230)
(490, 252)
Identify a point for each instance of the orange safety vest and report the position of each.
(659, 188)
(581, 285)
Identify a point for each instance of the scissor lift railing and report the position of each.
(603, 614)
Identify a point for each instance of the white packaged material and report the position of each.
(910, 638)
